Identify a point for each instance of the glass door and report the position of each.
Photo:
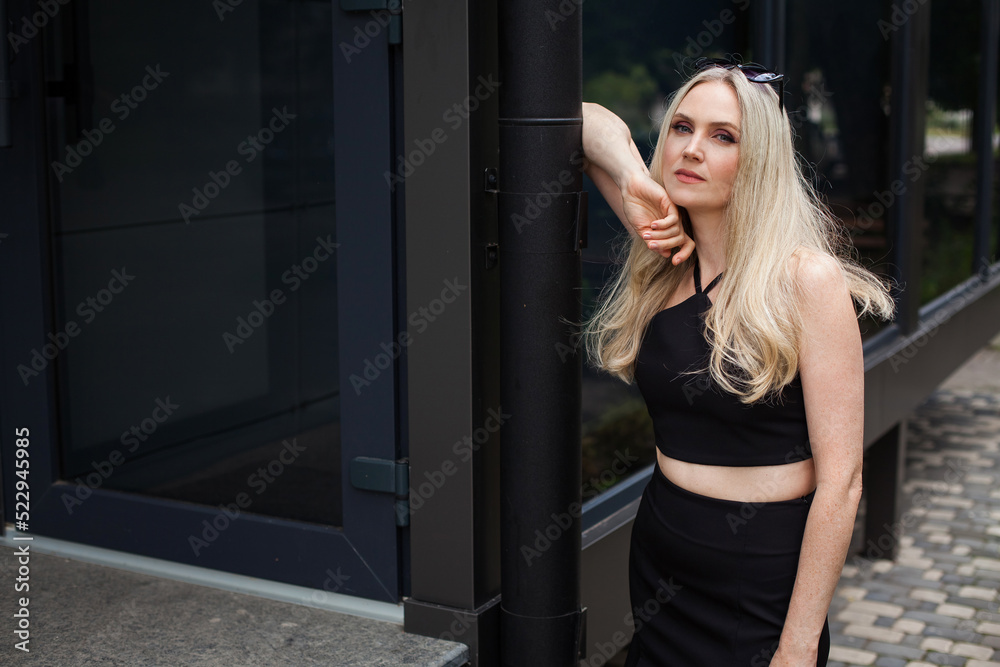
(205, 292)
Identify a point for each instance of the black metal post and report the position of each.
(910, 49)
(540, 211)
(986, 112)
(769, 33)
(885, 464)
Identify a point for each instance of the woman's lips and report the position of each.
(685, 176)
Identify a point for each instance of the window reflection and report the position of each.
(838, 105)
(211, 184)
(949, 208)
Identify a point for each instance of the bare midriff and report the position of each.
(759, 484)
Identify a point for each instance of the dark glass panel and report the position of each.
(192, 179)
(837, 97)
(949, 150)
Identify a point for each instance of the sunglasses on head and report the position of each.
(752, 71)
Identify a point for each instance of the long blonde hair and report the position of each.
(753, 325)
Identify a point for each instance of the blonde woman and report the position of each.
(735, 314)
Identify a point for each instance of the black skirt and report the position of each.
(710, 579)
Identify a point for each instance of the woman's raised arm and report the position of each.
(617, 169)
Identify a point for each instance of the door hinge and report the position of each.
(385, 477)
(389, 13)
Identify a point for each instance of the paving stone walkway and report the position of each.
(938, 602)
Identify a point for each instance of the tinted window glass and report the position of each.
(195, 252)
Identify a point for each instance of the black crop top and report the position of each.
(694, 419)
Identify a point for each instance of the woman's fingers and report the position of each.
(644, 201)
(665, 228)
(684, 252)
(661, 233)
(665, 246)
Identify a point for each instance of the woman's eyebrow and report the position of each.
(716, 123)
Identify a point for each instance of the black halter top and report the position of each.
(694, 419)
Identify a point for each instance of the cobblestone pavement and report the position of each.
(938, 602)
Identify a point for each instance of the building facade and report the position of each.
(250, 286)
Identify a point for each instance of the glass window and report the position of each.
(195, 252)
(838, 103)
(949, 149)
(633, 56)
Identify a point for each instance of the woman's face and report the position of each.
(702, 148)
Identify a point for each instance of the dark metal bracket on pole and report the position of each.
(542, 227)
(566, 226)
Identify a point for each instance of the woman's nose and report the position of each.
(693, 149)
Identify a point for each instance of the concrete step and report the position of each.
(84, 614)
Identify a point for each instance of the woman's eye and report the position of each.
(681, 127)
(728, 138)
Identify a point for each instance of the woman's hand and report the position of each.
(655, 218)
(617, 169)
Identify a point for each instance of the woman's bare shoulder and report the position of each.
(817, 275)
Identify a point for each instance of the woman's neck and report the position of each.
(710, 244)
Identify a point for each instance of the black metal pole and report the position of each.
(985, 118)
(769, 33)
(540, 216)
(910, 48)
